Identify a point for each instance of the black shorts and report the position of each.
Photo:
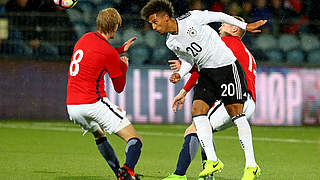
(227, 83)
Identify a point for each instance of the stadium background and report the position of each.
(36, 41)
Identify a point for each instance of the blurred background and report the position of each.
(37, 39)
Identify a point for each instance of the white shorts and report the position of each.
(102, 113)
(220, 119)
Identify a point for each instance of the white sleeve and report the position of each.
(184, 68)
(206, 17)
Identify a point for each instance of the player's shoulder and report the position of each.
(87, 38)
(190, 15)
(184, 16)
(87, 35)
(232, 40)
(95, 40)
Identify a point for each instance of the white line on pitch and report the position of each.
(54, 127)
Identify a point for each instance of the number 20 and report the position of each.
(194, 49)
(74, 66)
(227, 89)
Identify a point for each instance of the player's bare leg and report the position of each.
(128, 132)
(191, 129)
(133, 151)
(106, 150)
(245, 136)
(234, 109)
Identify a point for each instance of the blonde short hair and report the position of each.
(107, 20)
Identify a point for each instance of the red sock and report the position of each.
(130, 171)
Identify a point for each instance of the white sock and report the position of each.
(204, 133)
(245, 137)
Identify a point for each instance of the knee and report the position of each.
(191, 129)
(195, 110)
(135, 140)
(138, 137)
(99, 134)
(234, 109)
(135, 136)
(199, 109)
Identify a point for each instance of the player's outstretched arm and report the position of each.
(253, 27)
(179, 100)
(124, 48)
(120, 81)
(129, 43)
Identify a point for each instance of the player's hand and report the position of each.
(175, 77)
(253, 27)
(129, 43)
(125, 60)
(179, 100)
(174, 64)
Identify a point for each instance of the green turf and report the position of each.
(58, 151)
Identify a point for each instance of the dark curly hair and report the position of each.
(156, 6)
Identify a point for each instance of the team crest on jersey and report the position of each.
(192, 32)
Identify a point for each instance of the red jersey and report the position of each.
(244, 57)
(246, 60)
(92, 58)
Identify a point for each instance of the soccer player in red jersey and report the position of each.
(218, 116)
(87, 103)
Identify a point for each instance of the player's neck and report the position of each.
(106, 36)
(173, 26)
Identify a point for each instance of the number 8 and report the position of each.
(77, 57)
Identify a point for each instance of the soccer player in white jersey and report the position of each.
(221, 75)
(218, 116)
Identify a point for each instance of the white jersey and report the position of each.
(198, 44)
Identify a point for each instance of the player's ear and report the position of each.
(166, 16)
(234, 29)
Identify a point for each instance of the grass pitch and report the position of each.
(58, 151)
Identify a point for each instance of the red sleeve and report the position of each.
(192, 80)
(120, 81)
(112, 64)
(120, 49)
(194, 68)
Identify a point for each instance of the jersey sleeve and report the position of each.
(120, 49)
(206, 17)
(120, 81)
(192, 80)
(185, 68)
(112, 64)
(186, 63)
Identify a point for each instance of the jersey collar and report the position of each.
(178, 29)
(101, 37)
(237, 37)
